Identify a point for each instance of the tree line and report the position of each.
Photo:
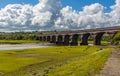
(23, 35)
(19, 36)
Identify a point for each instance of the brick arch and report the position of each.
(59, 40)
(48, 38)
(75, 39)
(53, 39)
(84, 39)
(98, 38)
(44, 38)
(111, 35)
(40, 38)
(66, 39)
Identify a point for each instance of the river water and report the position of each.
(20, 47)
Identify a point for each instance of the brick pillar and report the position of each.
(44, 38)
(111, 35)
(53, 39)
(59, 40)
(74, 39)
(48, 38)
(84, 39)
(40, 38)
(97, 38)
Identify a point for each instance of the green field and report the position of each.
(18, 41)
(54, 61)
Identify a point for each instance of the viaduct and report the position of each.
(72, 37)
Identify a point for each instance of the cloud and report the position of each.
(49, 15)
(45, 13)
(15, 16)
(92, 16)
(115, 13)
(21, 17)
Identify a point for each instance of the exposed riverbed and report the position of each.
(20, 46)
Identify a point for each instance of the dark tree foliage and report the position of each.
(23, 35)
(117, 38)
(19, 36)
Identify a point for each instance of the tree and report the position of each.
(117, 38)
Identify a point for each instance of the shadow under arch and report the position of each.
(53, 39)
(66, 40)
(98, 38)
(59, 40)
(74, 40)
(48, 38)
(84, 39)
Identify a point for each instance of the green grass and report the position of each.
(102, 42)
(18, 41)
(86, 66)
(54, 61)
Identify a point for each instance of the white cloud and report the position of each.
(15, 16)
(49, 15)
(91, 17)
(115, 13)
(68, 19)
(46, 12)
(93, 9)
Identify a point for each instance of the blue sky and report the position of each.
(75, 4)
(78, 4)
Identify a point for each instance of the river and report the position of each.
(20, 46)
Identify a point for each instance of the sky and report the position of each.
(76, 4)
(38, 15)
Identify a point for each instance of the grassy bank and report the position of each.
(18, 41)
(54, 61)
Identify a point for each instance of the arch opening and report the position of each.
(48, 38)
(74, 40)
(98, 38)
(105, 40)
(66, 40)
(84, 39)
(59, 40)
(40, 38)
(44, 38)
(53, 39)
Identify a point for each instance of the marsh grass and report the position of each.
(54, 61)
